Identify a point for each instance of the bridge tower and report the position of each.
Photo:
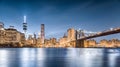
(79, 34)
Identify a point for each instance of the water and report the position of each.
(59, 57)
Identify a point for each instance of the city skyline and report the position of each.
(60, 15)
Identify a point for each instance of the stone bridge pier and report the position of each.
(80, 43)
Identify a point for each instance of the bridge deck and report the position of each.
(114, 31)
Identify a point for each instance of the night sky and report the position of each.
(59, 15)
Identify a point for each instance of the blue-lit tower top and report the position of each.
(25, 25)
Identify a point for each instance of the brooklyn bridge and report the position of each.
(81, 37)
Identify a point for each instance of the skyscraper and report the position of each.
(25, 25)
(42, 33)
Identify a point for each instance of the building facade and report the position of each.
(12, 37)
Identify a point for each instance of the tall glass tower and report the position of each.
(42, 33)
(25, 25)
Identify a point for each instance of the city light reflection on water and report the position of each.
(112, 57)
(86, 57)
(59, 57)
(3, 58)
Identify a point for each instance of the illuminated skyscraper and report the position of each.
(25, 25)
(42, 33)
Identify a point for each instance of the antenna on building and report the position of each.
(24, 19)
(25, 25)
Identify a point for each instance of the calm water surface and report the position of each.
(59, 57)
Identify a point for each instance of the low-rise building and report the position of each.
(11, 37)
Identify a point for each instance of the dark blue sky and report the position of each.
(59, 15)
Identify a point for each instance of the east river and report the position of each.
(59, 57)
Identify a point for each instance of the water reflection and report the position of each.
(59, 57)
(85, 57)
(55, 57)
(112, 57)
(32, 57)
(26, 57)
(3, 58)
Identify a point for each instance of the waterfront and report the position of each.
(59, 57)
